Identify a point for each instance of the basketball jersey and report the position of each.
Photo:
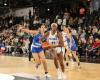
(53, 39)
(71, 43)
(36, 46)
(36, 40)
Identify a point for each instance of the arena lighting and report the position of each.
(5, 4)
(48, 9)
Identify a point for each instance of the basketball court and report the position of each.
(21, 69)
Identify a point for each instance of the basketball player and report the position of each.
(36, 46)
(64, 34)
(70, 45)
(56, 41)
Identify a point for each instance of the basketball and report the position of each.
(46, 45)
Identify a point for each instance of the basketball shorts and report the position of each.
(36, 49)
(73, 48)
(60, 50)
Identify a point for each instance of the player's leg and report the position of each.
(60, 57)
(61, 62)
(68, 54)
(76, 57)
(54, 56)
(36, 59)
(43, 60)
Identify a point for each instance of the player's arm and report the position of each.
(44, 38)
(46, 34)
(61, 43)
(23, 29)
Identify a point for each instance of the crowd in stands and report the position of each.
(85, 30)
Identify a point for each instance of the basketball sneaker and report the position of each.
(47, 75)
(59, 74)
(79, 67)
(64, 77)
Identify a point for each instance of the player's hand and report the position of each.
(19, 27)
(54, 46)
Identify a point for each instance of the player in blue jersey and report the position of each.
(36, 47)
(71, 46)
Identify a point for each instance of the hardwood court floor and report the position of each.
(21, 65)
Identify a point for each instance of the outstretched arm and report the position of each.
(22, 28)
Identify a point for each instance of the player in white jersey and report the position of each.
(55, 39)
